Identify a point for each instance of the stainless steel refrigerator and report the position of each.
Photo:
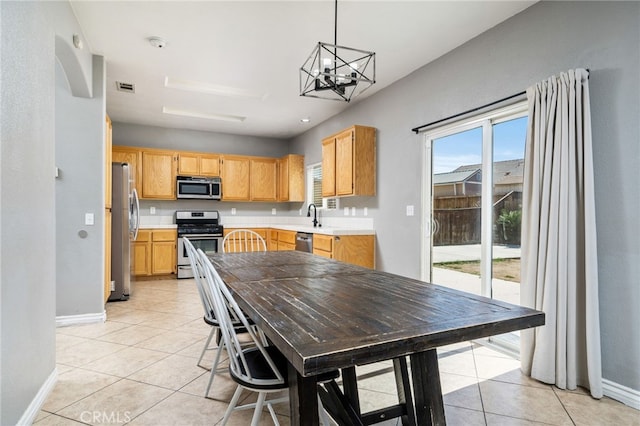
(125, 210)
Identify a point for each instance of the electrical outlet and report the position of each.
(152, 210)
(346, 211)
(365, 211)
(273, 211)
(353, 211)
(233, 210)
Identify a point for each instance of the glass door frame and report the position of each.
(486, 121)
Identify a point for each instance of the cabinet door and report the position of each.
(235, 178)
(329, 167)
(133, 157)
(158, 175)
(210, 165)
(263, 179)
(164, 254)
(344, 163)
(291, 178)
(355, 249)
(188, 164)
(141, 257)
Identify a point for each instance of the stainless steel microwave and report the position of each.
(199, 188)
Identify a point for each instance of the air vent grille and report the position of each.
(126, 87)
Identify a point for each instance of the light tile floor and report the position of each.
(139, 368)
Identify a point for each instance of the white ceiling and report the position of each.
(257, 47)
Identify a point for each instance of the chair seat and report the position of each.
(260, 371)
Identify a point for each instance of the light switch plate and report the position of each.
(273, 211)
(233, 210)
(410, 211)
(152, 210)
(88, 219)
(353, 211)
(346, 211)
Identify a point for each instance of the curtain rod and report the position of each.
(524, 92)
(417, 129)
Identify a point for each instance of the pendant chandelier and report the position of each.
(337, 72)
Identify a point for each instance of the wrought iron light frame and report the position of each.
(337, 72)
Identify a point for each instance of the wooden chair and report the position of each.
(259, 368)
(243, 240)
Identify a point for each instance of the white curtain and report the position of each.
(559, 255)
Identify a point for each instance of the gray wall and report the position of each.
(79, 190)
(548, 38)
(27, 193)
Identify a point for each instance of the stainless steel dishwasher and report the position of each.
(304, 242)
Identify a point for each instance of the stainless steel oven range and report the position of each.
(203, 230)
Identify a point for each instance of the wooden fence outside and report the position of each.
(457, 219)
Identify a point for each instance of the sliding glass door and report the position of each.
(473, 199)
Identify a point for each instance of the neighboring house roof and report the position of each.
(453, 177)
(509, 172)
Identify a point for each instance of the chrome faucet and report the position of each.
(315, 219)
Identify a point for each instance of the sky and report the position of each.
(464, 148)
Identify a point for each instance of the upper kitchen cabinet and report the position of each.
(291, 178)
(132, 156)
(159, 174)
(263, 179)
(349, 162)
(198, 164)
(235, 178)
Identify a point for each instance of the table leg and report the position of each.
(350, 385)
(403, 387)
(426, 388)
(303, 399)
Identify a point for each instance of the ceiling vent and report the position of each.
(126, 87)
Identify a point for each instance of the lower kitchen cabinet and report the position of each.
(154, 252)
(281, 240)
(354, 249)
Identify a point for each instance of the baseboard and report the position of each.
(627, 396)
(29, 416)
(66, 320)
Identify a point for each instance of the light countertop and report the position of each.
(330, 226)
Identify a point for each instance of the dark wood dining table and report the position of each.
(324, 315)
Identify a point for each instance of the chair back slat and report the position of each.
(243, 240)
(225, 307)
(196, 266)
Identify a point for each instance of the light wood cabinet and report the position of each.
(154, 252)
(235, 178)
(263, 179)
(291, 178)
(197, 164)
(349, 162)
(163, 251)
(159, 175)
(141, 253)
(244, 178)
(132, 156)
(282, 240)
(354, 249)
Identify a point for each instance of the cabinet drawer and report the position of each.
(165, 235)
(322, 242)
(322, 253)
(144, 235)
(287, 237)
